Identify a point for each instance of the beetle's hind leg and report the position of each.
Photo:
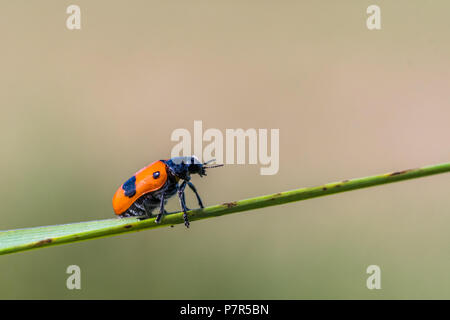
(147, 209)
(162, 211)
(124, 215)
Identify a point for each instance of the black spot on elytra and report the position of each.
(130, 187)
(156, 175)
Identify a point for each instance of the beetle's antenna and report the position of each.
(209, 161)
(214, 166)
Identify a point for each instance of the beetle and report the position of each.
(153, 185)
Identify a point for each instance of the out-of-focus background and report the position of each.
(82, 110)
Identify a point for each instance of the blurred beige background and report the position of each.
(83, 110)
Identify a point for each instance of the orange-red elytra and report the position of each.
(153, 185)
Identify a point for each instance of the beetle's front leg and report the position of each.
(191, 185)
(181, 188)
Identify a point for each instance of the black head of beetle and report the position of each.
(183, 167)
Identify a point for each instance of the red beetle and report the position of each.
(153, 185)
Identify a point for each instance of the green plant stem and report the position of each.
(32, 238)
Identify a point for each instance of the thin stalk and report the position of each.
(38, 237)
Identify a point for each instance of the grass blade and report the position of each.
(38, 237)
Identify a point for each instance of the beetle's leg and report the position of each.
(161, 210)
(148, 209)
(191, 185)
(182, 202)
